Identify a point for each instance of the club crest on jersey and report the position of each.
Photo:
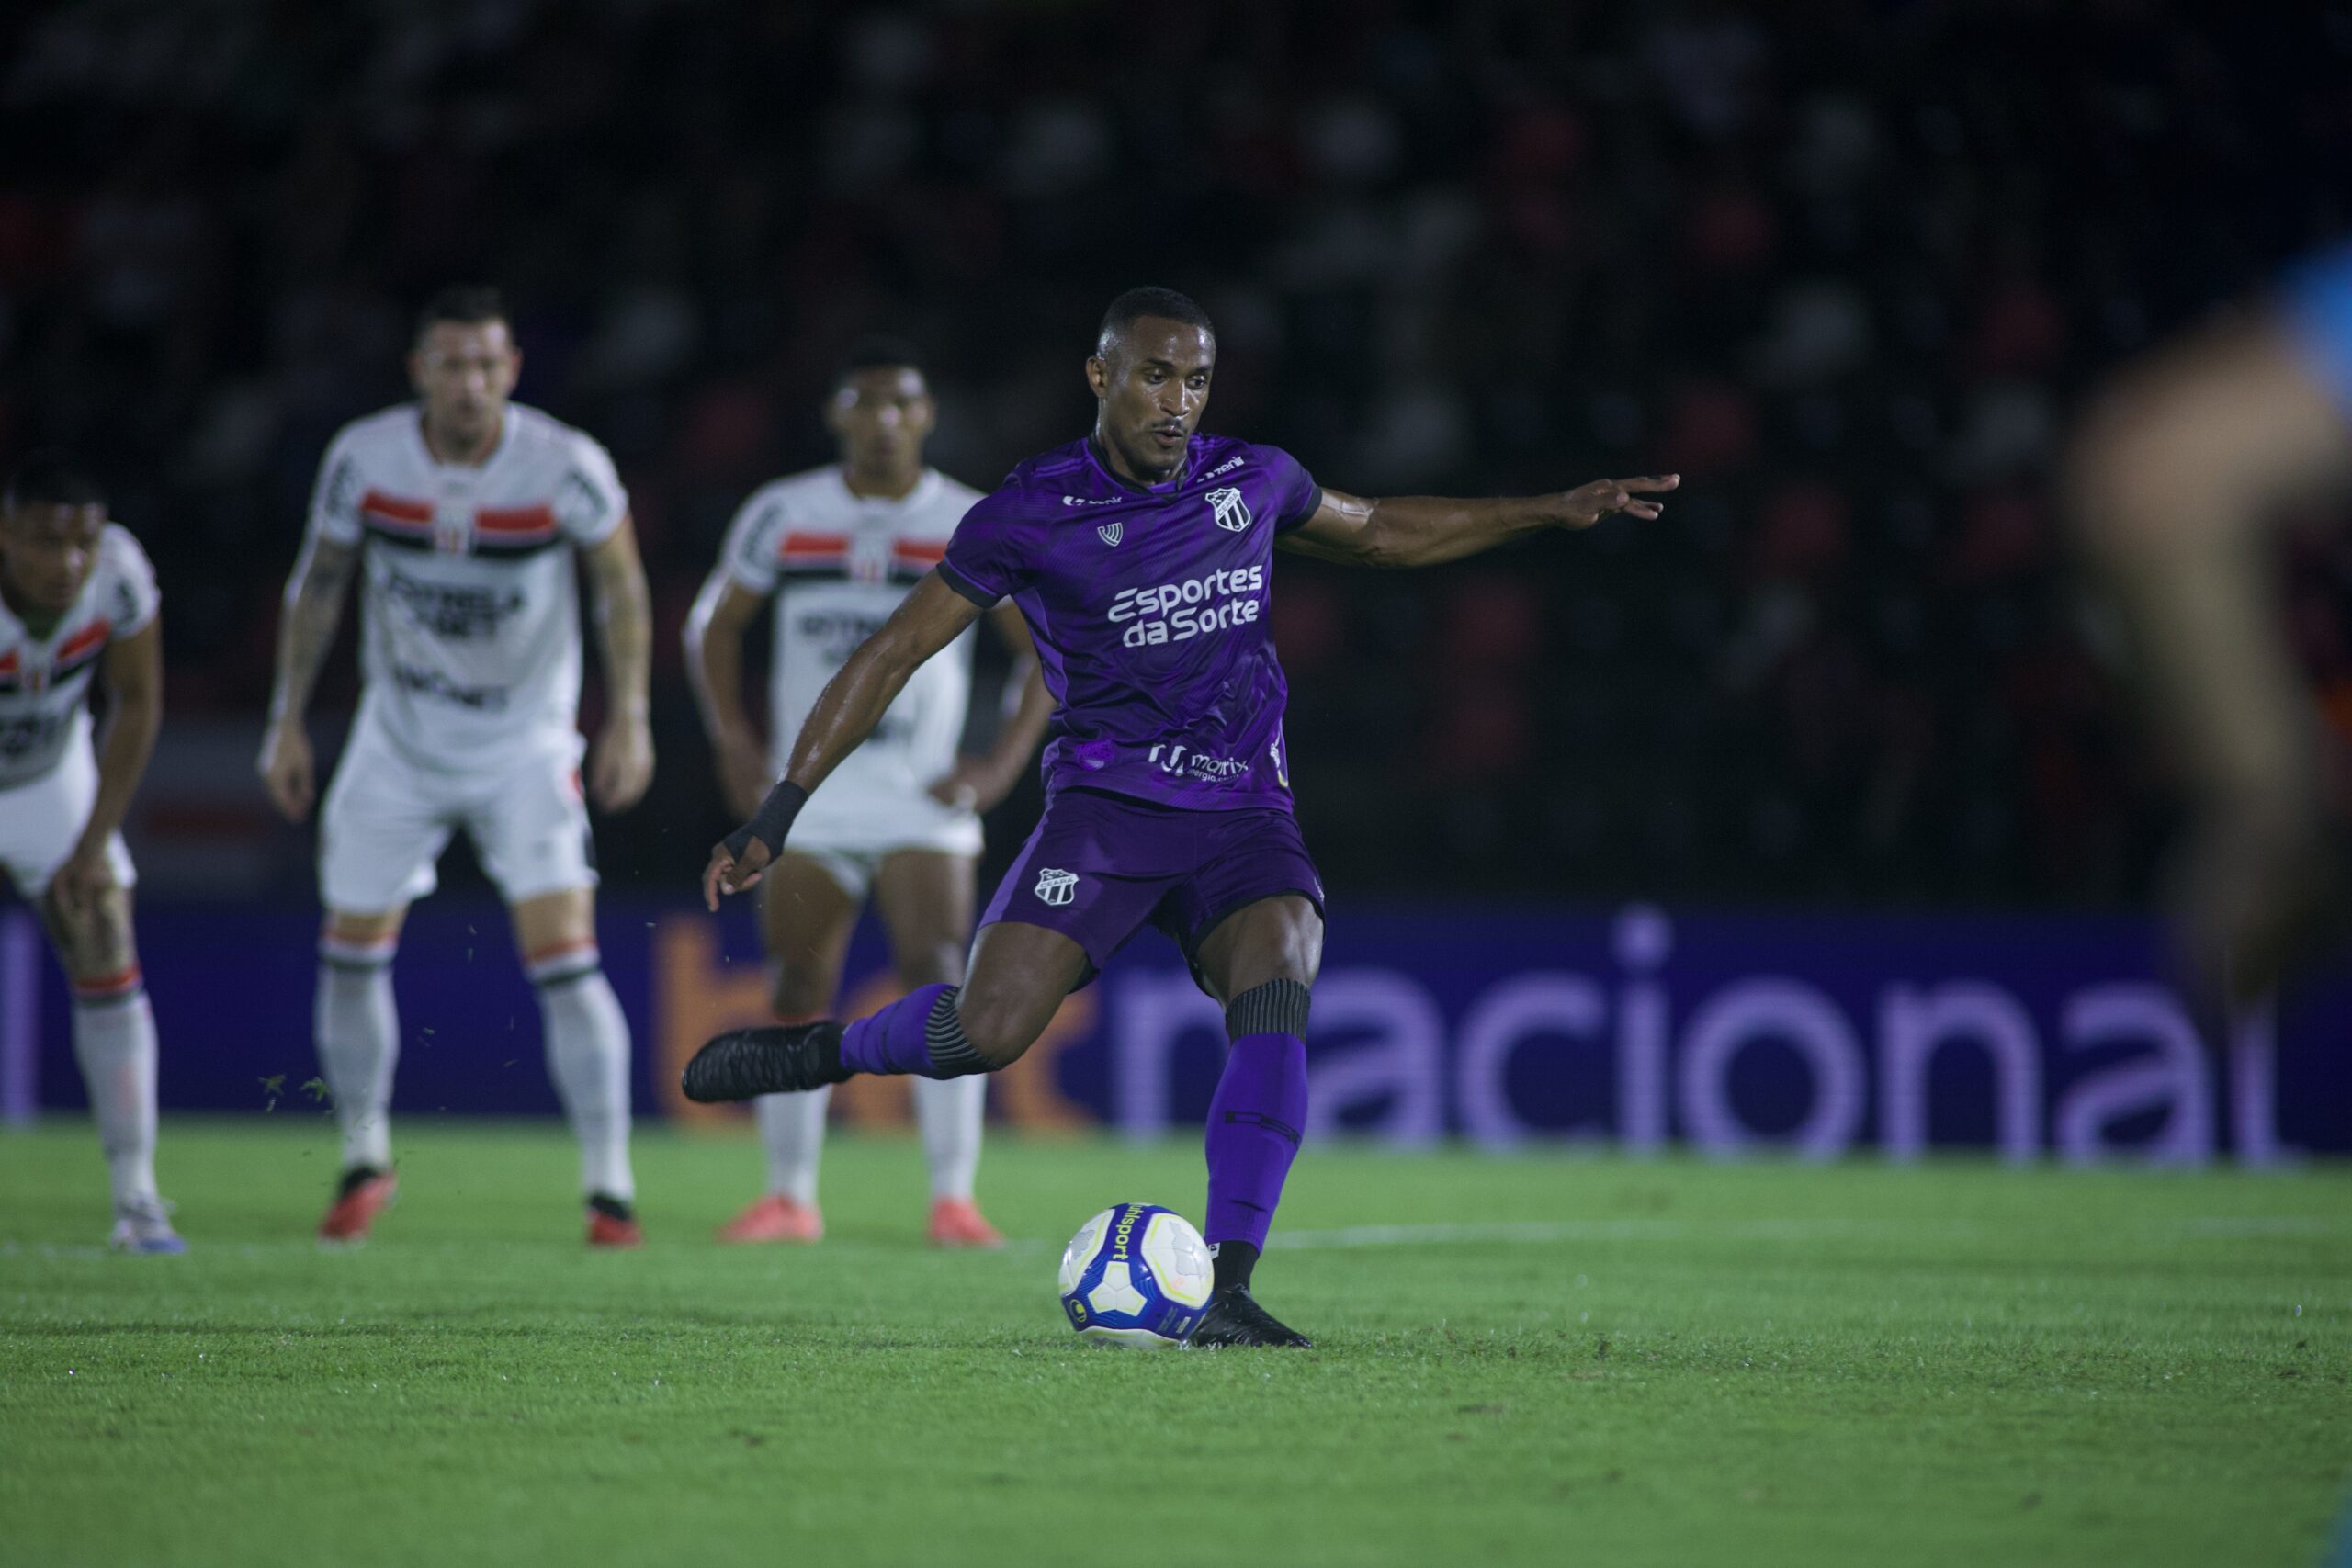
(1112, 533)
(1232, 512)
(1056, 888)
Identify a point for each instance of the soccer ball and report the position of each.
(1137, 1275)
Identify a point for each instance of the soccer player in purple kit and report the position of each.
(1141, 558)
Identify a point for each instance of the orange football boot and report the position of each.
(957, 1222)
(773, 1218)
(614, 1230)
(354, 1211)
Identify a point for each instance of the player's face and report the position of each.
(464, 372)
(46, 552)
(1154, 387)
(882, 416)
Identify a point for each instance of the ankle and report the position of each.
(1235, 1261)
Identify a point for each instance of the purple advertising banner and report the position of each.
(1636, 1028)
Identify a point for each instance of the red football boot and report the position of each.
(957, 1222)
(366, 1194)
(612, 1223)
(773, 1218)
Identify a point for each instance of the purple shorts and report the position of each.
(1100, 866)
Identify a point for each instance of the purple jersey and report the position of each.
(1149, 609)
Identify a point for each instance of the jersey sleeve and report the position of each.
(334, 497)
(135, 599)
(750, 554)
(988, 557)
(2318, 308)
(1296, 495)
(588, 499)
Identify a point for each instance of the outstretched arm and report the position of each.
(978, 784)
(306, 631)
(852, 704)
(2176, 481)
(1422, 530)
(620, 765)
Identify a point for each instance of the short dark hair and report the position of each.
(54, 479)
(467, 304)
(1160, 304)
(879, 353)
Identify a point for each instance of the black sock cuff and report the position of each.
(1233, 1262)
(1278, 1006)
(952, 1055)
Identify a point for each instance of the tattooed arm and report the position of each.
(621, 763)
(314, 596)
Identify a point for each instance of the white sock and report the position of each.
(949, 1111)
(587, 1038)
(793, 1128)
(358, 1034)
(114, 1040)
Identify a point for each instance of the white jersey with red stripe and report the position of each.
(836, 565)
(45, 681)
(470, 641)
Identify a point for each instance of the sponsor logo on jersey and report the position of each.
(434, 684)
(31, 734)
(1183, 760)
(1056, 888)
(1232, 512)
(1092, 500)
(1112, 533)
(1225, 468)
(455, 612)
(1177, 612)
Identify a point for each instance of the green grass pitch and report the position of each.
(1523, 1360)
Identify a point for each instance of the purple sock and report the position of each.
(1254, 1123)
(892, 1039)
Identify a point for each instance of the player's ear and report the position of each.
(1098, 375)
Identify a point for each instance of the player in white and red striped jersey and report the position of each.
(468, 512)
(834, 551)
(77, 598)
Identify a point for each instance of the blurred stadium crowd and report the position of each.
(1843, 265)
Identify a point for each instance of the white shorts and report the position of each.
(848, 831)
(387, 819)
(40, 821)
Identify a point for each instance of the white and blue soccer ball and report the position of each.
(1137, 1275)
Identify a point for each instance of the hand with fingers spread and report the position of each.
(1588, 504)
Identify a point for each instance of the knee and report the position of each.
(358, 946)
(999, 1025)
(1275, 1007)
(94, 938)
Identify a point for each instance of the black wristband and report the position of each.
(771, 822)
